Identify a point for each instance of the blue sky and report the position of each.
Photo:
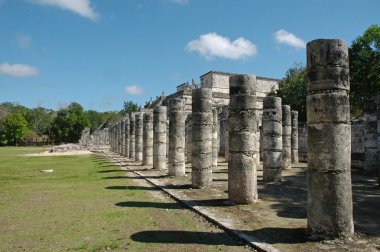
(102, 52)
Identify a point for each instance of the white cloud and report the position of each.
(284, 37)
(134, 90)
(181, 2)
(213, 45)
(18, 70)
(23, 41)
(80, 7)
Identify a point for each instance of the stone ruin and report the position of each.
(65, 148)
(236, 120)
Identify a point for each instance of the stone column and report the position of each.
(119, 138)
(215, 150)
(224, 131)
(294, 137)
(122, 137)
(272, 139)
(110, 132)
(139, 136)
(286, 138)
(126, 130)
(113, 137)
(201, 160)
(243, 148)
(167, 138)
(159, 138)
(189, 139)
(329, 201)
(148, 139)
(177, 137)
(132, 136)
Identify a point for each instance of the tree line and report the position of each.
(19, 124)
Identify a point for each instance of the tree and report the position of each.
(96, 119)
(40, 119)
(293, 90)
(69, 123)
(15, 128)
(129, 107)
(364, 56)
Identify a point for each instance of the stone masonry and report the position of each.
(243, 149)
(126, 136)
(189, 129)
(202, 153)
(159, 137)
(148, 139)
(177, 137)
(329, 202)
(122, 137)
(272, 139)
(139, 136)
(215, 145)
(294, 136)
(132, 136)
(286, 138)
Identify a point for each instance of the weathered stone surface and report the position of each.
(119, 137)
(272, 139)
(177, 137)
(132, 136)
(189, 140)
(202, 138)
(126, 130)
(329, 204)
(215, 149)
(224, 131)
(148, 138)
(243, 138)
(159, 137)
(328, 65)
(286, 138)
(294, 138)
(139, 136)
(122, 137)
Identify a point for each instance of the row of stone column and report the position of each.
(329, 204)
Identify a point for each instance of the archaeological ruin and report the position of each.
(228, 124)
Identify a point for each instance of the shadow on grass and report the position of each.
(132, 188)
(144, 204)
(109, 171)
(183, 237)
(116, 177)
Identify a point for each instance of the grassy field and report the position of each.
(89, 204)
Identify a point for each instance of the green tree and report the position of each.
(96, 119)
(293, 90)
(364, 56)
(129, 107)
(69, 123)
(40, 120)
(15, 128)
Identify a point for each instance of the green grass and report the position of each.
(74, 209)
